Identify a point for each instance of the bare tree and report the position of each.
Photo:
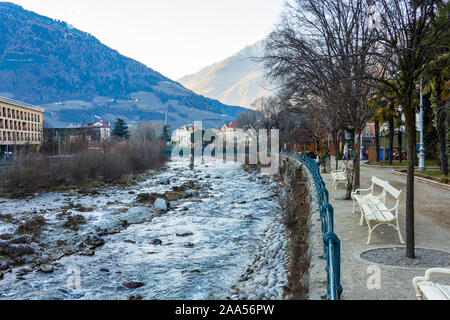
(250, 120)
(409, 35)
(321, 53)
(146, 131)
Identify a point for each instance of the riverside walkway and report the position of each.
(432, 231)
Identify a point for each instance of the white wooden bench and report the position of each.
(430, 290)
(358, 197)
(338, 176)
(376, 212)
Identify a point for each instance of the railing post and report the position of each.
(327, 224)
(333, 245)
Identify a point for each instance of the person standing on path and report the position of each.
(345, 152)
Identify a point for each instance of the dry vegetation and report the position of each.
(296, 217)
(111, 163)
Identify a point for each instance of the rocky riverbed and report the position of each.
(267, 276)
(211, 233)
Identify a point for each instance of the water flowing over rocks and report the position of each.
(217, 217)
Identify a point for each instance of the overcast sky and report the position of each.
(174, 37)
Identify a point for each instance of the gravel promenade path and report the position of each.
(432, 231)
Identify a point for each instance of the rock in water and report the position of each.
(47, 269)
(160, 204)
(156, 242)
(132, 284)
(184, 234)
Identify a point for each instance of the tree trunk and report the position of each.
(377, 139)
(341, 152)
(400, 145)
(357, 160)
(336, 148)
(441, 119)
(355, 180)
(411, 142)
(391, 139)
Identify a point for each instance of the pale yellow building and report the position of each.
(20, 123)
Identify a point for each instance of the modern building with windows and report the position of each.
(21, 124)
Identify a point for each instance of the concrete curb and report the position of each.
(423, 180)
(357, 256)
(393, 167)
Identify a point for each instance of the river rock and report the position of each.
(88, 253)
(191, 193)
(156, 242)
(165, 181)
(195, 271)
(184, 234)
(24, 271)
(272, 282)
(133, 284)
(47, 269)
(68, 252)
(160, 204)
(94, 242)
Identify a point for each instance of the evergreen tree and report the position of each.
(166, 133)
(121, 129)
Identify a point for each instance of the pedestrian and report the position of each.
(345, 152)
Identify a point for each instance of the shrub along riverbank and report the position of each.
(111, 163)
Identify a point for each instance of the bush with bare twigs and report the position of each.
(111, 164)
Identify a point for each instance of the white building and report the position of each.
(182, 136)
(100, 131)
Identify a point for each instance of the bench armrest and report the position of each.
(427, 277)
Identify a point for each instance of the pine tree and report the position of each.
(166, 133)
(121, 129)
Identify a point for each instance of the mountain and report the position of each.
(76, 78)
(237, 80)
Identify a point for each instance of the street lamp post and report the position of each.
(422, 166)
(361, 154)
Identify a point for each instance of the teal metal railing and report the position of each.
(332, 244)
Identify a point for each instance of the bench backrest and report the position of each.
(393, 191)
(378, 182)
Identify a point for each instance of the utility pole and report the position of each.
(422, 166)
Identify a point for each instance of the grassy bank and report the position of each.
(112, 163)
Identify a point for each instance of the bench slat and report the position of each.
(431, 291)
(393, 191)
(375, 210)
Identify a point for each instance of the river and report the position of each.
(207, 240)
